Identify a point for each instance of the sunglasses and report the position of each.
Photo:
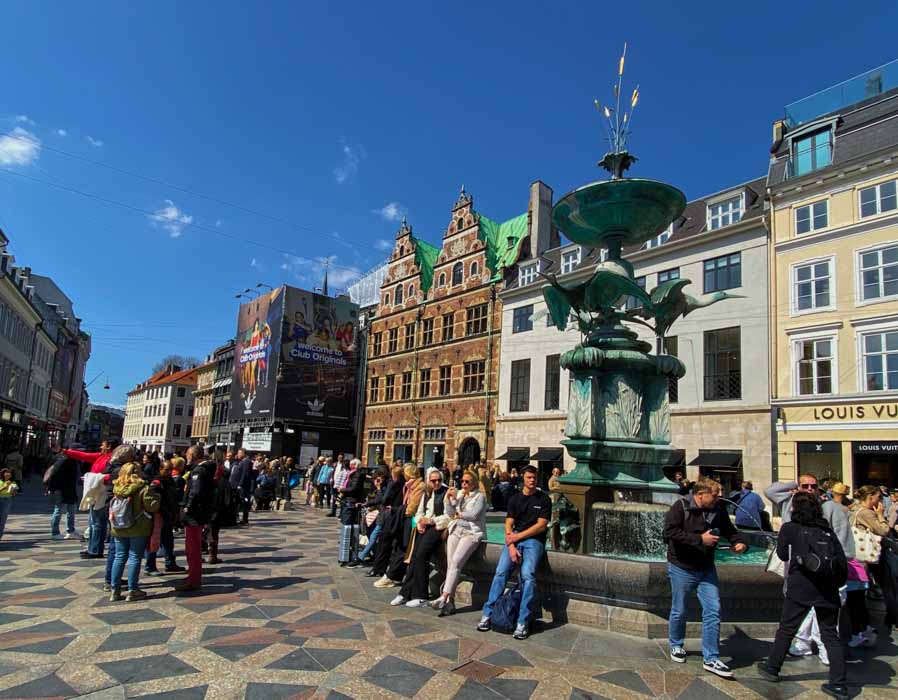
(435, 481)
(808, 487)
(466, 481)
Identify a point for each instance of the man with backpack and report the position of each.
(692, 528)
(196, 513)
(526, 522)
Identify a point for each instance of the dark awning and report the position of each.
(721, 459)
(516, 454)
(677, 459)
(548, 454)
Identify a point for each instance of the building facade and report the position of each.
(159, 412)
(832, 182)
(102, 423)
(720, 410)
(202, 402)
(433, 344)
(220, 429)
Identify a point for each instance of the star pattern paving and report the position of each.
(280, 619)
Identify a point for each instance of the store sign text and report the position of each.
(877, 411)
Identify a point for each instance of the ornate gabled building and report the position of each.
(433, 345)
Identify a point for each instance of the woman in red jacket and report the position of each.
(98, 517)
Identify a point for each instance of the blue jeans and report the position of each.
(682, 583)
(166, 546)
(99, 523)
(58, 509)
(372, 541)
(531, 553)
(5, 505)
(110, 560)
(130, 548)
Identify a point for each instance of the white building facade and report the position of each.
(159, 412)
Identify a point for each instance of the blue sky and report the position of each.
(336, 119)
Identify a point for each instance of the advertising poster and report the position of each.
(318, 359)
(307, 455)
(255, 364)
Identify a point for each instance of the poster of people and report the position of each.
(319, 359)
(255, 369)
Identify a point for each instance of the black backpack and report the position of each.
(820, 554)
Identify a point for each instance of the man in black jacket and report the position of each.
(62, 487)
(196, 513)
(241, 481)
(692, 528)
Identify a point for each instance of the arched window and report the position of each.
(411, 291)
(442, 279)
(474, 269)
(387, 299)
(398, 294)
(458, 272)
(401, 250)
(460, 224)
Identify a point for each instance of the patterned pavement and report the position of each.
(280, 619)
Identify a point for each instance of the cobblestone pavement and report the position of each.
(280, 619)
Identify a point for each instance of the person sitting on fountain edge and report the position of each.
(526, 522)
(692, 528)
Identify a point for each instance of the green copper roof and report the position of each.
(503, 242)
(425, 257)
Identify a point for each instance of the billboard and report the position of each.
(255, 364)
(319, 357)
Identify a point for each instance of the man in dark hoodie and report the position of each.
(197, 508)
(692, 528)
(241, 481)
(62, 487)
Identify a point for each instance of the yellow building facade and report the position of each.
(834, 290)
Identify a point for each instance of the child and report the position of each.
(8, 489)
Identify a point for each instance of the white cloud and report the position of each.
(96, 143)
(24, 119)
(310, 273)
(62, 132)
(349, 166)
(383, 244)
(19, 147)
(393, 211)
(171, 219)
(255, 264)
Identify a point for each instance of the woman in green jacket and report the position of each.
(8, 489)
(131, 519)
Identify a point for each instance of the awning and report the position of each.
(677, 459)
(720, 459)
(516, 454)
(548, 454)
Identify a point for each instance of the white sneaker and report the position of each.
(398, 600)
(438, 603)
(383, 582)
(70, 535)
(416, 603)
(718, 668)
(800, 648)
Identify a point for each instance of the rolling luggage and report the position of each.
(349, 534)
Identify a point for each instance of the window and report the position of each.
(424, 384)
(435, 434)
(724, 272)
(811, 286)
(658, 240)
(669, 275)
(634, 302)
(519, 400)
(190, 411)
(181, 392)
(377, 434)
(378, 344)
(442, 282)
(388, 390)
(411, 292)
(375, 388)
(549, 320)
(474, 269)
(404, 434)
(673, 384)
(527, 274)
(474, 376)
(445, 387)
(553, 382)
(811, 217)
(187, 431)
(427, 338)
(723, 374)
(476, 320)
(879, 273)
(815, 366)
(725, 213)
(397, 295)
(878, 199)
(522, 319)
(570, 260)
(448, 327)
(458, 273)
(393, 340)
(406, 386)
(387, 299)
(880, 360)
(811, 152)
(179, 409)
(409, 336)
(176, 430)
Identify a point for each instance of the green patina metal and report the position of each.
(425, 257)
(503, 242)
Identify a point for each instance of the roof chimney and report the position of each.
(540, 218)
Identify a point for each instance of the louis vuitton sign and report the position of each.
(854, 412)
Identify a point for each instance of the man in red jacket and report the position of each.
(98, 517)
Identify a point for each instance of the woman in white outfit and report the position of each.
(466, 530)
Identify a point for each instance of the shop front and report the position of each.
(853, 442)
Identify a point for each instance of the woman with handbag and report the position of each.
(868, 526)
(467, 530)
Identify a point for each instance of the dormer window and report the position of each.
(812, 152)
(660, 239)
(569, 260)
(527, 274)
(727, 212)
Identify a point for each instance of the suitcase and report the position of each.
(349, 543)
